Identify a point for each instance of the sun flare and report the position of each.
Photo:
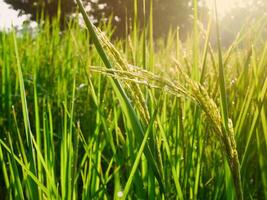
(225, 6)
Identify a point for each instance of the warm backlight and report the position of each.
(225, 6)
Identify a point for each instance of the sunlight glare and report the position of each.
(225, 6)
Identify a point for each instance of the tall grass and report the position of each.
(79, 119)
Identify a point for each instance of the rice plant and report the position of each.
(84, 118)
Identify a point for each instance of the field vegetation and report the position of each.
(86, 118)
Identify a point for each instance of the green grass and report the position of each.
(186, 121)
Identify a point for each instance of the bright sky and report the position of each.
(9, 16)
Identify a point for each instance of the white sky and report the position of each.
(9, 16)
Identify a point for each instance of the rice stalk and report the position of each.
(119, 62)
(131, 115)
(194, 91)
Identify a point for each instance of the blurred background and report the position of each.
(233, 14)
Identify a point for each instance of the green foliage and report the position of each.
(75, 127)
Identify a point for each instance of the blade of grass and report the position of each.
(32, 188)
(168, 152)
(138, 158)
(24, 167)
(124, 100)
(233, 159)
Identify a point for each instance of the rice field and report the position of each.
(86, 117)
